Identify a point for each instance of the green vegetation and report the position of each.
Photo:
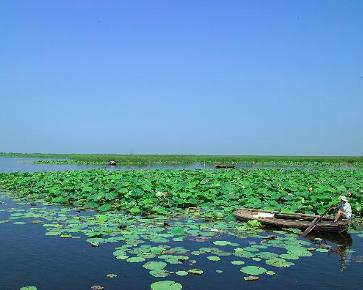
(148, 215)
(214, 194)
(183, 159)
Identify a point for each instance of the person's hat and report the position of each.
(344, 198)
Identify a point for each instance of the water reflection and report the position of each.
(337, 243)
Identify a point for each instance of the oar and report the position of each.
(314, 223)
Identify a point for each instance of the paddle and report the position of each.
(314, 223)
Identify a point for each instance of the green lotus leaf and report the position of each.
(278, 262)
(155, 265)
(289, 256)
(166, 285)
(253, 270)
(267, 255)
(251, 278)
(213, 258)
(221, 243)
(195, 271)
(135, 259)
(238, 263)
(270, 273)
(181, 273)
(159, 273)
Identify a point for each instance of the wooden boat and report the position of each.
(221, 166)
(291, 220)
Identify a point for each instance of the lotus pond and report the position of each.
(173, 229)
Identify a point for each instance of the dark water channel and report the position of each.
(28, 257)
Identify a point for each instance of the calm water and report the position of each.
(9, 164)
(29, 165)
(28, 257)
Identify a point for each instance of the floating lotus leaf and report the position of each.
(94, 241)
(65, 236)
(251, 249)
(159, 273)
(278, 262)
(166, 285)
(221, 243)
(289, 256)
(213, 258)
(253, 270)
(52, 233)
(181, 273)
(135, 259)
(240, 252)
(298, 251)
(155, 265)
(195, 271)
(270, 273)
(238, 263)
(28, 288)
(267, 255)
(171, 259)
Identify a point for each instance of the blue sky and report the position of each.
(199, 77)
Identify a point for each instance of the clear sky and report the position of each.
(183, 76)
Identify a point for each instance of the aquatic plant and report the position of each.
(212, 194)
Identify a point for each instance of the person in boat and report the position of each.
(344, 209)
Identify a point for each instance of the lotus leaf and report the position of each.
(154, 265)
(238, 263)
(278, 262)
(159, 273)
(166, 285)
(135, 259)
(253, 270)
(195, 271)
(181, 273)
(221, 243)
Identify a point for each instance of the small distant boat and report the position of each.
(221, 166)
(292, 220)
(112, 162)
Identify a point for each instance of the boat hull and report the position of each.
(299, 221)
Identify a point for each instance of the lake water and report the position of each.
(28, 257)
(9, 164)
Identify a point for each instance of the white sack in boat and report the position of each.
(263, 215)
